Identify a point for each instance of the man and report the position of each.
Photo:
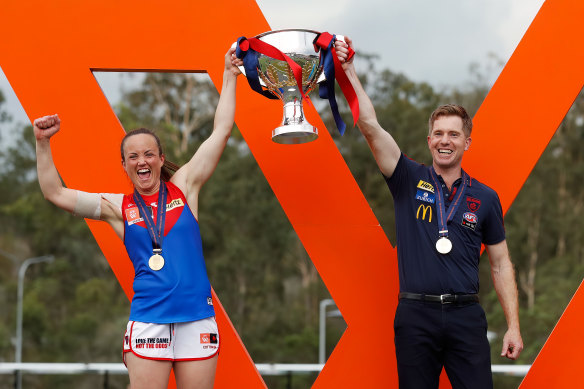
(443, 217)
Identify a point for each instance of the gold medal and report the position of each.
(443, 245)
(155, 230)
(156, 262)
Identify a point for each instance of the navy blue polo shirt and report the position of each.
(478, 220)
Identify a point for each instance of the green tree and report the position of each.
(65, 303)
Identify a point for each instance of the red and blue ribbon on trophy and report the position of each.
(249, 49)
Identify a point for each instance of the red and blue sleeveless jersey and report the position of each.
(478, 220)
(180, 291)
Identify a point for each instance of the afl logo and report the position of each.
(469, 220)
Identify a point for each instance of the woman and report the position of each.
(172, 321)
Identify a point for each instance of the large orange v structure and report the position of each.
(55, 45)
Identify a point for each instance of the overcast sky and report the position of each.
(428, 40)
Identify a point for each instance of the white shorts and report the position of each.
(190, 341)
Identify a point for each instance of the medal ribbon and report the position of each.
(156, 231)
(333, 69)
(444, 219)
(248, 49)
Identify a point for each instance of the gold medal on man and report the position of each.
(443, 245)
(156, 262)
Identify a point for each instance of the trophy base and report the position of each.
(292, 134)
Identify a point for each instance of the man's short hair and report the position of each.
(451, 110)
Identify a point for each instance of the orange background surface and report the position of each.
(55, 45)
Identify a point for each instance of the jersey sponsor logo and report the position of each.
(470, 220)
(208, 338)
(426, 186)
(209, 301)
(473, 204)
(425, 209)
(425, 196)
(133, 215)
(174, 204)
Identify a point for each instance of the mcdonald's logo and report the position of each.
(425, 209)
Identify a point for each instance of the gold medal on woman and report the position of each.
(155, 230)
(156, 262)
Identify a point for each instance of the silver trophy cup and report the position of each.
(278, 78)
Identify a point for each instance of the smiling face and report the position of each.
(143, 162)
(447, 143)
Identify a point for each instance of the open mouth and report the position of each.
(443, 151)
(144, 174)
